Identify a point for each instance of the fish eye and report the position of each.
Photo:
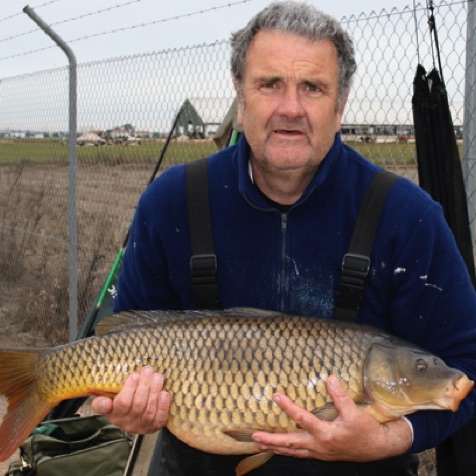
(421, 366)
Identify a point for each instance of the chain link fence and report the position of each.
(126, 107)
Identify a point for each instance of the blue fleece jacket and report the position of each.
(418, 287)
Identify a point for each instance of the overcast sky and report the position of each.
(101, 29)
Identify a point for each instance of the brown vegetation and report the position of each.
(34, 237)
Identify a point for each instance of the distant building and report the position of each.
(202, 116)
(143, 134)
(386, 117)
(16, 134)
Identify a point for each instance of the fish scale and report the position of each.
(222, 369)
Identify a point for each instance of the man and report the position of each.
(284, 202)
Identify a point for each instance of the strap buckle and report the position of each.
(203, 267)
(355, 269)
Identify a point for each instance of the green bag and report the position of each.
(75, 446)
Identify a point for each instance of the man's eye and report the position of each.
(269, 85)
(312, 88)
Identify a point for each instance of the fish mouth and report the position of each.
(456, 391)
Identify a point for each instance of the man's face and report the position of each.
(289, 100)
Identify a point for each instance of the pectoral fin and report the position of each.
(243, 435)
(252, 462)
(328, 412)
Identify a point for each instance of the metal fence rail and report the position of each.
(126, 107)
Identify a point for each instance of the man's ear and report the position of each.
(235, 84)
(340, 110)
(239, 102)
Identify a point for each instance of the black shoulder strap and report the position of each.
(356, 262)
(203, 263)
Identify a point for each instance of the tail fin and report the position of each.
(25, 407)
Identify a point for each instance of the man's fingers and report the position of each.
(306, 420)
(153, 388)
(340, 396)
(141, 406)
(122, 403)
(102, 405)
(290, 443)
(142, 391)
(162, 411)
(296, 453)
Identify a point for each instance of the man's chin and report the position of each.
(289, 160)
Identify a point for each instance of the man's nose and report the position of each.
(291, 104)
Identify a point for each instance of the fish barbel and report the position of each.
(221, 370)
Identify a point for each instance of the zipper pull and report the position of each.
(284, 222)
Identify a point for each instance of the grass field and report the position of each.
(34, 151)
(38, 151)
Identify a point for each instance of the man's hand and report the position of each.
(140, 407)
(353, 436)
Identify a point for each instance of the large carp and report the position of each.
(222, 369)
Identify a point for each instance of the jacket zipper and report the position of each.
(282, 291)
(284, 227)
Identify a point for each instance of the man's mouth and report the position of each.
(287, 132)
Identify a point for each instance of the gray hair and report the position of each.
(297, 19)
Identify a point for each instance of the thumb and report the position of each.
(340, 396)
(101, 405)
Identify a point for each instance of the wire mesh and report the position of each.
(126, 107)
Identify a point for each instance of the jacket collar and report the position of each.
(249, 190)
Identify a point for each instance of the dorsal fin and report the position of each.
(250, 312)
(127, 319)
(121, 321)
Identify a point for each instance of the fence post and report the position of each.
(73, 160)
(469, 129)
